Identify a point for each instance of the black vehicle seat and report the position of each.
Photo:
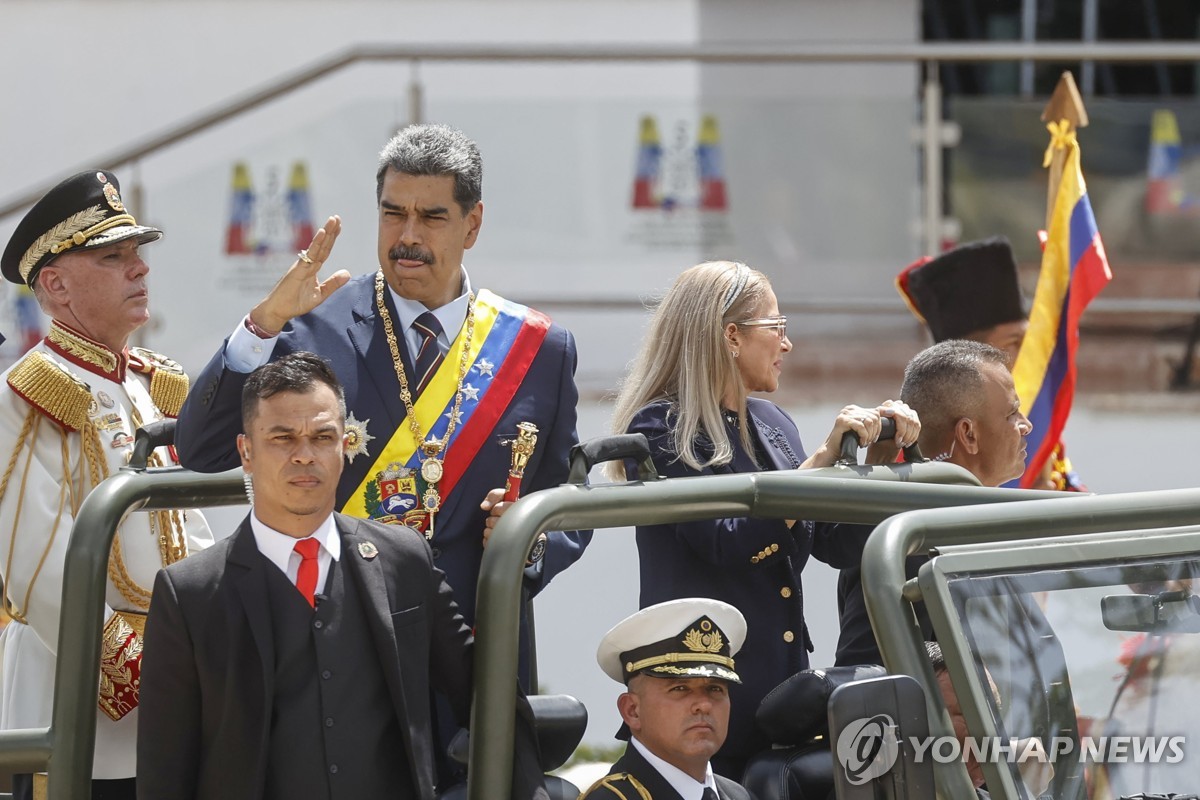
(559, 722)
(795, 716)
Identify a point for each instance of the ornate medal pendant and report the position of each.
(431, 470)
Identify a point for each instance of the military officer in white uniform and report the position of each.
(68, 411)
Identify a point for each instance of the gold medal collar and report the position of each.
(432, 448)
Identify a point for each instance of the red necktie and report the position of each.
(306, 576)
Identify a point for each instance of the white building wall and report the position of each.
(819, 164)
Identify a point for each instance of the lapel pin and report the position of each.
(367, 550)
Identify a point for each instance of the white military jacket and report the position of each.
(68, 411)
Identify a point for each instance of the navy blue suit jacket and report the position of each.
(346, 330)
(752, 564)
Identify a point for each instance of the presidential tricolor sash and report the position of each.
(505, 340)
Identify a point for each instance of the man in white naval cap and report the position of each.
(676, 660)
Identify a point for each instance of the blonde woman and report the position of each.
(717, 337)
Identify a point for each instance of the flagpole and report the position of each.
(1064, 108)
(1074, 269)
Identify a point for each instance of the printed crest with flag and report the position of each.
(276, 219)
(392, 496)
(1074, 270)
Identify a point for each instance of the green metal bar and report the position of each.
(72, 732)
(1110, 546)
(892, 542)
(833, 494)
(25, 750)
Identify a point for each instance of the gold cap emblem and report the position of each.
(113, 197)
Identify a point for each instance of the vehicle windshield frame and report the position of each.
(1071, 564)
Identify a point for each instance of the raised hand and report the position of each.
(300, 290)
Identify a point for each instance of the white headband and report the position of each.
(740, 276)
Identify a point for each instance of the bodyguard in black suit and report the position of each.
(273, 674)
(676, 660)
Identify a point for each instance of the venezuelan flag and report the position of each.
(1074, 270)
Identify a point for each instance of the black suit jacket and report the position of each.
(617, 783)
(208, 663)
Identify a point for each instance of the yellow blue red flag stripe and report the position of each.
(506, 339)
(1074, 270)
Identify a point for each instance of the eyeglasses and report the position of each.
(777, 324)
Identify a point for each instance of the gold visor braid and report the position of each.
(671, 658)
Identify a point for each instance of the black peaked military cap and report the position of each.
(686, 638)
(83, 211)
(970, 288)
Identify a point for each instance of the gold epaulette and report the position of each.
(51, 389)
(610, 782)
(168, 382)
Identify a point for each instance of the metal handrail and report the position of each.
(780, 495)
(834, 306)
(884, 579)
(800, 53)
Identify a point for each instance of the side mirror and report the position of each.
(1165, 612)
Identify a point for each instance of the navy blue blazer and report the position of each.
(752, 564)
(346, 330)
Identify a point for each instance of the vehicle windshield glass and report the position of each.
(1104, 660)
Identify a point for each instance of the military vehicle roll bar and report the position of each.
(836, 494)
(889, 594)
(66, 748)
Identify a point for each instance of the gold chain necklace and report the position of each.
(432, 465)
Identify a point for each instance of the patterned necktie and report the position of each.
(306, 576)
(710, 794)
(429, 357)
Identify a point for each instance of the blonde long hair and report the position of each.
(686, 361)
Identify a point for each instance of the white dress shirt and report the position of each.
(686, 785)
(280, 548)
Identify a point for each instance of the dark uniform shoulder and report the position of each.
(620, 785)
